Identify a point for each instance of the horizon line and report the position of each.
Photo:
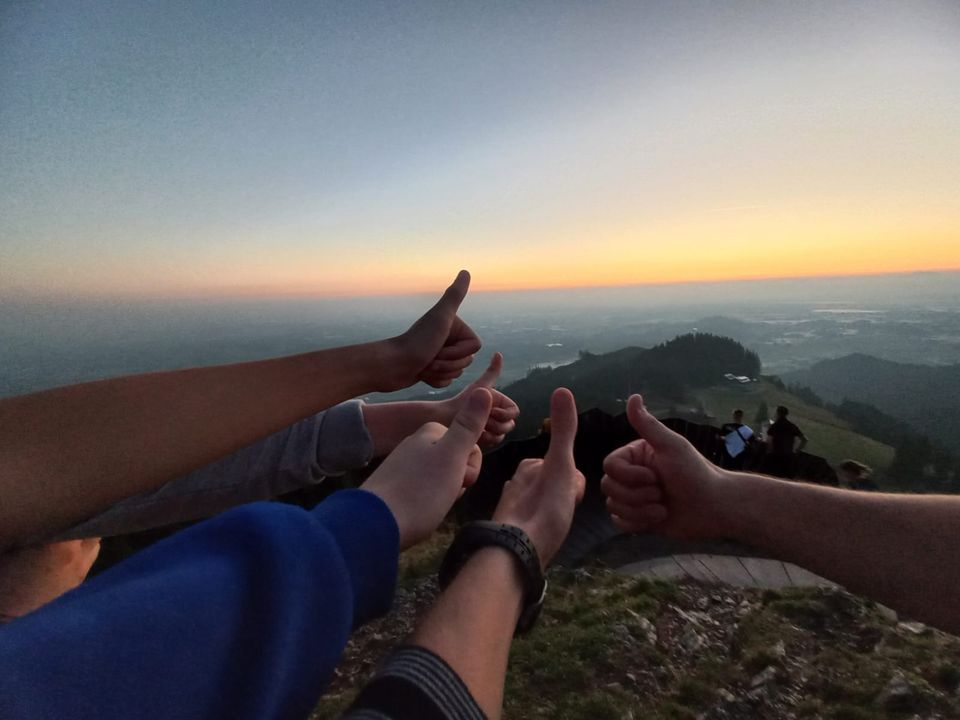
(246, 293)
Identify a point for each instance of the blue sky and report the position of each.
(173, 148)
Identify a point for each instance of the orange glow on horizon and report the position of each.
(755, 245)
(480, 285)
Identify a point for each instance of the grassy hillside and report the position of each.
(610, 647)
(674, 380)
(829, 436)
(925, 396)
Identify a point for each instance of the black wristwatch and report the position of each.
(482, 533)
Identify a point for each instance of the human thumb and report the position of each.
(647, 426)
(468, 423)
(490, 375)
(454, 295)
(563, 427)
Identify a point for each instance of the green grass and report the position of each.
(423, 560)
(573, 666)
(840, 652)
(829, 436)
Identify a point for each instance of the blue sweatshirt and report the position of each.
(242, 616)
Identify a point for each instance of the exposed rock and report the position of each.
(697, 617)
(621, 633)
(913, 628)
(688, 616)
(888, 614)
(778, 651)
(648, 629)
(764, 677)
(899, 695)
(691, 640)
(726, 695)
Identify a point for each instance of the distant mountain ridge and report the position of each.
(927, 397)
(664, 374)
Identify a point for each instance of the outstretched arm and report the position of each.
(201, 597)
(896, 549)
(472, 624)
(68, 453)
(244, 615)
(389, 423)
(328, 443)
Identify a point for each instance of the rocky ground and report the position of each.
(609, 646)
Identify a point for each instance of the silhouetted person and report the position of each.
(782, 446)
(737, 439)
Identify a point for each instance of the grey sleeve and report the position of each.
(326, 444)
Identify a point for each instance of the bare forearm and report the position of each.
(389, 423)
(897, 549)
(471, 625)
(70, 452)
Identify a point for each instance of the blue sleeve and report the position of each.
(241, 616)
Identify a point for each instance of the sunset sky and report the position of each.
(359, 147)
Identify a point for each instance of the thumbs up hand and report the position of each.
(504, 413)
(661, 483)
(423, 476)
(438, 346)
(542, 495)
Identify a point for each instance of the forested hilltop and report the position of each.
(924, 396)
(668, 375)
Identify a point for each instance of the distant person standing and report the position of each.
(737, 439)
(782, 446)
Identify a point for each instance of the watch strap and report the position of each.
(483, 533)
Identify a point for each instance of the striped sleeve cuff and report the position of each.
(415, 684)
